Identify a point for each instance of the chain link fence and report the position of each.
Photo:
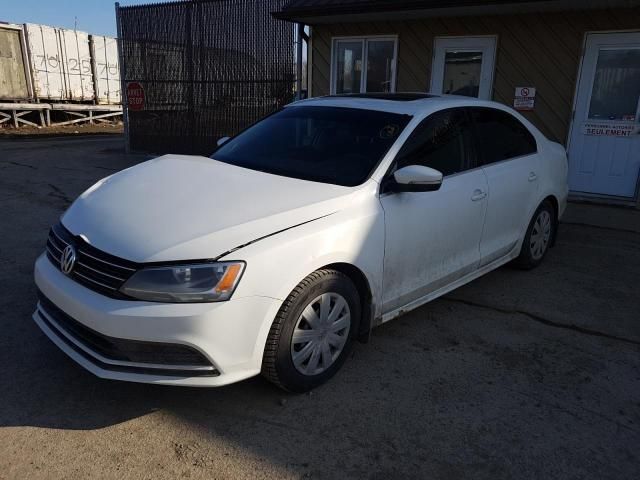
(201, 70)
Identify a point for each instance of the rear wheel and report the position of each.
(313, 332)
(538, 238)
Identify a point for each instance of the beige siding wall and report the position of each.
(539, 50)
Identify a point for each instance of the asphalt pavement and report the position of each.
(518, 375)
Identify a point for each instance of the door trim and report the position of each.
(575, 195)
(432, 85)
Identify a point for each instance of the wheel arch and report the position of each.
(556, 210)
(363, 286)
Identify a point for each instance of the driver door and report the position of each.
(433, 238)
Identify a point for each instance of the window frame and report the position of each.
(487, 44)
(364, 39)
(479, 153)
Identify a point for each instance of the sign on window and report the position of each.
(600, 129)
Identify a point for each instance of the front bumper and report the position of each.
(216, 343)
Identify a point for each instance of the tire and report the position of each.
(539, 237)
(320, 347)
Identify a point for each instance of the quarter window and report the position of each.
(442, 142)
(363, 65)
(501, 136)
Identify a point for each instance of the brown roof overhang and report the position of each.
(323, 10)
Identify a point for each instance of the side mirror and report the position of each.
(223, 140)
(415, 178)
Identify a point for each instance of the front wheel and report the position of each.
(538, 238)
(313, 332)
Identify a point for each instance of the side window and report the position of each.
(441, 142)
(501, 136)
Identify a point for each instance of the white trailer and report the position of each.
(60, 62)
(106, 72)
(47, 69)
(15, 78)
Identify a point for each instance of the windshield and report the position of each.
(334, 145)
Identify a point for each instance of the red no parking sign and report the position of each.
(135, 96)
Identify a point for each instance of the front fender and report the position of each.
(277, 264)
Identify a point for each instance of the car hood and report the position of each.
(180, 207)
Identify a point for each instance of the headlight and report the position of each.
(208, 282)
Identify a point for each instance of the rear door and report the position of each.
(508, 153)
(433, 238)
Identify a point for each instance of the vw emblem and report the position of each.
(68, 259)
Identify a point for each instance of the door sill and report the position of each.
(448, 288)
(599, 199)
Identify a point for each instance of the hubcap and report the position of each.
(320, 334)
(540, 235)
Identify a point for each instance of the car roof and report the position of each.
(409, 103)
(398, 97)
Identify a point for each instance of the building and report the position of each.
(571, 67)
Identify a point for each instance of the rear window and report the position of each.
(341, 146)
(501, 136)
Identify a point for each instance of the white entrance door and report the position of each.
(604, 146)
(464, 66)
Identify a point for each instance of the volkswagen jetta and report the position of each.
(299, 235)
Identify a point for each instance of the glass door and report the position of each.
(463, 66)
(604, 146)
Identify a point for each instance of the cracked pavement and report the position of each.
(522, 375)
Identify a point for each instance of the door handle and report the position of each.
(533, 177)
(478, 195)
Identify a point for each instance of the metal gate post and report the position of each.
(299, 34)
(191, 77)
(123, 86)
(94, 70)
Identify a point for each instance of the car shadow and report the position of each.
(442, 390)
(43, 387)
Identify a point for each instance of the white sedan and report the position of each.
(299, 235)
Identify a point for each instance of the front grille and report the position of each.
(120, 354)
(94, 268)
